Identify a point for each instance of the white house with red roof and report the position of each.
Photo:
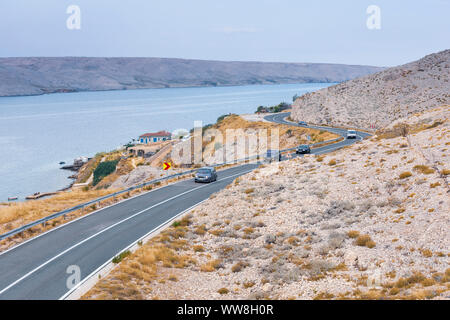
(154, 137)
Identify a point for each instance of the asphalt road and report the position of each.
(37, 269)
(279, 118)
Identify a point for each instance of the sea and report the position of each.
(39, 132)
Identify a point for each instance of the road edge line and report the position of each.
(106, 229)
(89, 281)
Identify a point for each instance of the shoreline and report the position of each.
(166, 87)
(65, 186)
(74, 176)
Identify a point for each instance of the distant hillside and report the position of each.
(380, 98)
(29, 76)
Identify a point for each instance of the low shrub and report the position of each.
(104, 169)
(211, 265)
(365, 241)
(353, 234)
(200, 230)
(434, 185)
(248, 284)
(405, 175)
(239, 266)
(423, 169)
(223, 291)
(121, 256)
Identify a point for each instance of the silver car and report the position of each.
(206, 174)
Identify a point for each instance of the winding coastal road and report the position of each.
(38, 268)
(280, 118)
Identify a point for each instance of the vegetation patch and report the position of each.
(405, 175)
(104, 169)
(365, 241)
(223, 291)
(121, 256)
(423, 169)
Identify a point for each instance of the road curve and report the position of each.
(280, 118)
(37, 269)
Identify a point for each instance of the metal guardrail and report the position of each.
(86, 204)
(112, 195)
(115, 194)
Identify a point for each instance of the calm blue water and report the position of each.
(38, 132)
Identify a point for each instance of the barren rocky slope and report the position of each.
(380, 98)
(29, 76)
(369, 221)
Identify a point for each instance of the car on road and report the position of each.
(304, 148)
(302, 123)
(272, 155)
(351, 134)
(206, 174)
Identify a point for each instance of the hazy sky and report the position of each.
(263, 30)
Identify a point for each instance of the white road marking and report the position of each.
(84, 216)
(119, 222)
(85, 279)
(108, 228)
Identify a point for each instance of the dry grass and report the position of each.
(18, 214)
(405, 175)
(239, 266)
(434, 185)
(198, 248)
(200, 230)
(216, 232)
(426, 253)
(223, 291)
(211, 265)
(250, 190)
(353, 234)
(365, 241)
(129, 280)
(423, 169)
(399, 130)
(332, 162)
(285, 131)
(248, 284)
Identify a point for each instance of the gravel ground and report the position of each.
(369, 221)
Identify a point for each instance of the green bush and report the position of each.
(121, 256)
(104, 169)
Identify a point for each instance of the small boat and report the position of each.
(12, 198)
(62, 162)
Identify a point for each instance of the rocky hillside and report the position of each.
(30, 76)
(380, 98)
(311, 228)
(222, 147)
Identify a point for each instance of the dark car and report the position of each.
(272, 155)
(206, 174)
(304, 148)
(302, 123)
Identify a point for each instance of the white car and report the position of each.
(351, 134)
